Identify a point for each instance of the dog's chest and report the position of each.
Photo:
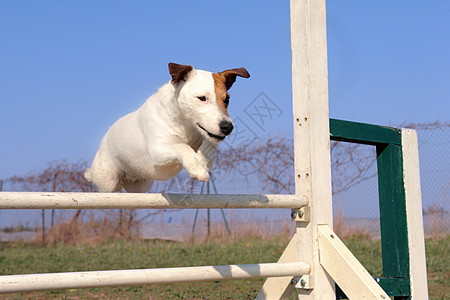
(195, 140)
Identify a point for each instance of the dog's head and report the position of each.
(203, 98)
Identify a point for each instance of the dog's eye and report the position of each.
(201, 98)
(227, 100)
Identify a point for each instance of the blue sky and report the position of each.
(69, 69)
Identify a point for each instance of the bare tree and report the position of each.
(59, 176)
(351, 164)
(427, 126)
(128, 219)
(270, 163)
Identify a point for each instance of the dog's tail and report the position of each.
(88, 174)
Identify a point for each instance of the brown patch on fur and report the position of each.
(221, 92)
(223, 82)
(230, 76)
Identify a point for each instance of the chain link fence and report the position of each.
(356, 209)
(434, 154)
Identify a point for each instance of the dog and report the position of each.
(180, 126)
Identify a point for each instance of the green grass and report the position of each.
(25, 258)
(438, 268)
(20, 258)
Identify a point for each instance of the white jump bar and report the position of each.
(62, 200)
(91, 279)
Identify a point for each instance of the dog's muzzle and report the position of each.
(215, 136)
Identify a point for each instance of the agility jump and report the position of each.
(315, 261)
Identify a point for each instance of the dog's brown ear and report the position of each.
(178, 72)
(230, 76)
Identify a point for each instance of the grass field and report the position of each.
(17, 258)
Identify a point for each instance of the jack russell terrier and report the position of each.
(178, 127)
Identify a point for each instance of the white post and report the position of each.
(312, 152)
(311, 137)
(414, 219)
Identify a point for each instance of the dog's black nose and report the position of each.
(226, 127)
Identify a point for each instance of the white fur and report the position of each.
(161, 138)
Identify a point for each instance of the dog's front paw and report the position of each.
(201, 176)
(197, 169)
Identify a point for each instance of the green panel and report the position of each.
(394, 232)
(394, 239)
(363, 133)
(397, 287)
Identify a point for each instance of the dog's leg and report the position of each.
(137, 186)
(104, 175)
(208, 151)
(195, 164)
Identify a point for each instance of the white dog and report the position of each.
(179, 126)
